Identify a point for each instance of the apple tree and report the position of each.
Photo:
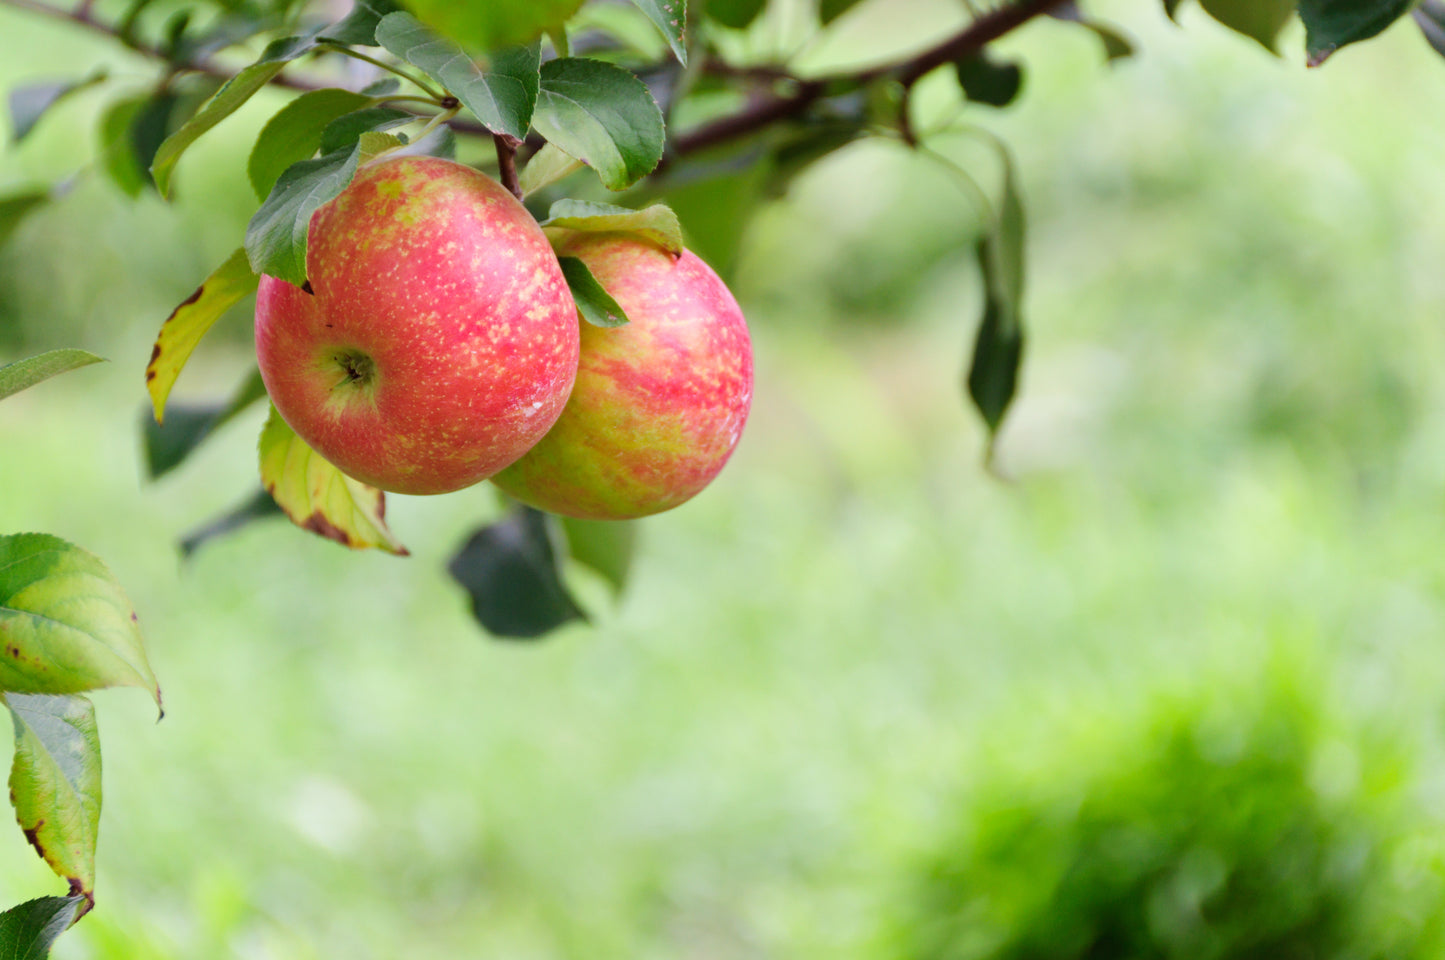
(605, 122)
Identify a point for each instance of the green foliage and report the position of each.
(493, 25)
(985, 81)
(1233, 821)
(276, 235)
(998, 349)
(1261, 20)
(359, 26)
(27, 931)
(594, 303)
(29, 104)
(1331, 24)
(656, 223)
(602, 115)
(511, 571)
(15, 206)
(294, 134)
(22, 374)
(168, 444)
(670, 16)
(735, 13)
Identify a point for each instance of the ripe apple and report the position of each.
(659, 403)
(438, 340)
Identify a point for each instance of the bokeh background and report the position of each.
(1168, 685)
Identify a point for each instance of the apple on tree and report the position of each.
(659, 403)
(437, 341)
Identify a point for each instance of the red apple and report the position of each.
(659, 403)
(438, 341)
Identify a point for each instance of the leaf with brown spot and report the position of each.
(320, 498)
(231, 282)
(55, 782)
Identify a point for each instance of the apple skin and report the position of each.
(659, 403)
(439, 342)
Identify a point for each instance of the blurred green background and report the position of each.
(1169, 687)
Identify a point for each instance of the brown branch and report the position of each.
(507, 162)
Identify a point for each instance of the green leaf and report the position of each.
(55, 782)
(167, 445)
(358, 28)
(28, 931)
(343, 132)
(594, 303)
(502, 98)
(671, 18)
(1260, 20)
(998, 350)
(1331, 24)
(1171, 8)
(65, 624)
(226, 101)
(259, 506)
(119, 151)
(735, 13)
(510, 570)
(602, 115)
(492, 25)
(14, 208)
(1430, 17)
(28, 104)
(987, 81)
(830, 10)
(605, 546)
(317, 496)
(1116, 45)
(294, 134)
(546, 167)
(656, 223)
(276, 235)
(21, 374)
(227, 286)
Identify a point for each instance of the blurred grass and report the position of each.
(1228, 442)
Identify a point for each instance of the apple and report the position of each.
(437, 341)
(659, 403)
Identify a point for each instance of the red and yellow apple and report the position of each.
(659, 403)
(438, 340)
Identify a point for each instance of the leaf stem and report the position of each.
(392, 68)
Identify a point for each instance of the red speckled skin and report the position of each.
(659, 404)
(444, 280)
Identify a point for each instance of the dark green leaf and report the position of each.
(511, 572)
(276, 235)
(830, 10)
(998, 349)
(492, 25)
(1116, 45)
(226, 101)
(186, 425)
(28, 931)
(14, 208)
(593, 302)
(602, 115)
(605, 546)
(260, 506)
(358, 28)
(502, 98)
(131, 132)
(1171, 7)
(986, 81)
(16, 376)
(343, 132)
(382, 88)
(65, 623)
(1331, 24)
(294, 133)
(55, 782)
(28, 104)
(1260, 20)
(1430, 16)
(656, 223)
(671, 18)
(735, 13)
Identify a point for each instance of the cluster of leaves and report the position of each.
(505, 71)
(66, 627)
(1242, 819)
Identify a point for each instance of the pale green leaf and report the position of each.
(55, 782)
(65, 624)
(656, 223)
(493, 24)
(21, 374)
(546, 167)
(14, 207)
(317, 496)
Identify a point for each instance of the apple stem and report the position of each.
(507, 162)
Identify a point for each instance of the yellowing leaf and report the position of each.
(188, 323)
(65, 624)
(320, 498)
(55, 782)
